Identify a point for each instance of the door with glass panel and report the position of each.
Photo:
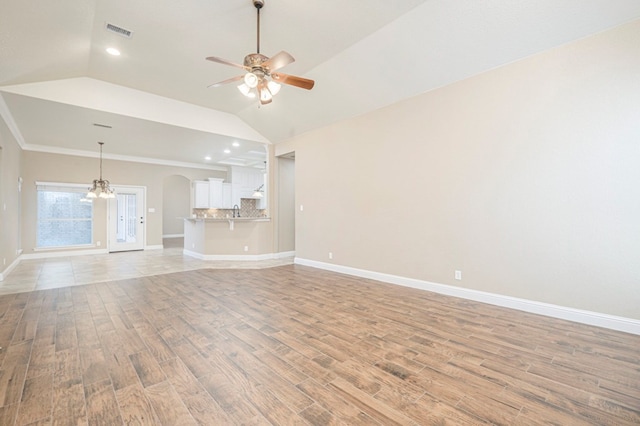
(126, 219)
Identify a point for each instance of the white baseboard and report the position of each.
(154, 247)
(9, 268)
(597, 319)
(65, 253)
(284, 254)
(173, 236)
(244, 257)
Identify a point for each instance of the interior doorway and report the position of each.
(286, 204)
(127, 219)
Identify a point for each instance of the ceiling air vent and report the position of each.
(118, 30)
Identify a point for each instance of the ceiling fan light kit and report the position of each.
(260, 79)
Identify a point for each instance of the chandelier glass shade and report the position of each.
(260, 86)
(259, 192)
(100, 187)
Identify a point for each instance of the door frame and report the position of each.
(110, 224)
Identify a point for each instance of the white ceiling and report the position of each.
(56, 79)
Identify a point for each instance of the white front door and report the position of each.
(126, 219)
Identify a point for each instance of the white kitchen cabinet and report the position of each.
(261, 203)
(236, 194)
(200, 194)
(245, 182)
(215, 193)
(227, 196)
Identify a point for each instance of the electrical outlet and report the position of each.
(246, 248)
(330, 255)
(98, 243)
(301, 207)
(458, 275)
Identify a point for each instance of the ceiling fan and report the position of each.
(261, 78)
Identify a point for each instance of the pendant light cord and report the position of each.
(101, 143)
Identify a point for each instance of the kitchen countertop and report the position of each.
(225, 219)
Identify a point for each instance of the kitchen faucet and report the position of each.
(236, 208)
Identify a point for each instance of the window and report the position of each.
(65, 216)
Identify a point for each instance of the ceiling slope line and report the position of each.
(99, 95)
(129, 158)
(11, 124)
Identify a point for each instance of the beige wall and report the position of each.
(10, 172)
(526, 178)
(70, 169)
(176, 204)
(216, 238)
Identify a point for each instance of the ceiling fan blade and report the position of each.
(225, 62)
(229, 80)
(293, 80)
(278, 61)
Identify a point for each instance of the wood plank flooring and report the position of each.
(294, 345)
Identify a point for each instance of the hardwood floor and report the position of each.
(295, 345)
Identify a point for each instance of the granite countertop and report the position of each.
(226, 219)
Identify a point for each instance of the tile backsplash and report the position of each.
(247, 209)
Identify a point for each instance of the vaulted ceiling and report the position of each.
(57, 81)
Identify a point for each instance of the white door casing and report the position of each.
(127, 219)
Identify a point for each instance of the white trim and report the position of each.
(243, 257)
(154, 247)
(628, 325)
(284, 254)
(173, 235)
(9, 268)
(6, 115)
(110, 219)
(65, 253)
(63, 185)
(130, 158)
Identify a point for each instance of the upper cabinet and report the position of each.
(216, 193)
(245, 182)
(200, 194)
(211, 194)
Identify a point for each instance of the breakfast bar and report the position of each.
(236, 238)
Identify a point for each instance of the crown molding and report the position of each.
(146, 160)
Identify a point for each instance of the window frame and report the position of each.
(62, 188)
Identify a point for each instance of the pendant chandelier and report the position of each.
(100, 187)
(259, 192)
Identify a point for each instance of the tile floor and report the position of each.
(38, 274)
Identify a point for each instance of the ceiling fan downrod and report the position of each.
(258, 4)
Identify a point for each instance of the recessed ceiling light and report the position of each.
(113, 51)
(227, 151)
(207, 158)
(236, 144)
